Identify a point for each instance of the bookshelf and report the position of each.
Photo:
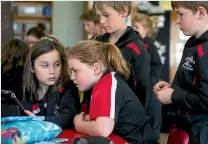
(28, 14)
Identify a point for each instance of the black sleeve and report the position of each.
(141, 71)
(195, 103)
(27, 105)
(155, 62)
(69, 106)
(99, 38)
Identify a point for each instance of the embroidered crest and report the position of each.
(56, 111)
(45, 105)
(61, 89)
(35, 109)
(189, 62)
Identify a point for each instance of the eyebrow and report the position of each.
(105, 12)
(47, 62)
(177, 11)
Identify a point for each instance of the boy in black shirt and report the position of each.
(189, 90)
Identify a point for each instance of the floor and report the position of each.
(163, 138)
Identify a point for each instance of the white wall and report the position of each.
(66, 24)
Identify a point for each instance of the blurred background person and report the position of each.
(92, 24)
(33, 35)
(147, 27)
(13, 57)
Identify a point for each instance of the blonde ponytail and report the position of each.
(90, 52)
(116, 61)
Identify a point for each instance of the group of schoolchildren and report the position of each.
(119, 72)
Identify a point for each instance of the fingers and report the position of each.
(87, 118)
(29, 113)
(157, 86)
(160, 86)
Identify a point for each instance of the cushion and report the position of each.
(27, 129)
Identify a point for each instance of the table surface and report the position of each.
(71, 134)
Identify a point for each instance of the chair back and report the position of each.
(178, 136)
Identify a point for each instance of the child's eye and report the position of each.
(107, 15)
(57, 65)
(44, 66)
(75, 71)
(180, 14)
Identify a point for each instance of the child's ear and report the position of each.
(32, 69)
(97, 68)
(125, 12)
(202, 12)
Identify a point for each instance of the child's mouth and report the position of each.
(52, 79)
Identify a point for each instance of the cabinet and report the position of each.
(28, 14)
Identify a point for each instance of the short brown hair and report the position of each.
(14, 53)
(116, 5)
(90, 16)
(36, 32)
(192, 5)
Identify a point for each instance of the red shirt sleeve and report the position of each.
(103, 97)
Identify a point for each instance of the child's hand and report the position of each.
(29, 113)
(164, 96)
(78, 121)
(79, 117)
(161, 86)
(87, 117)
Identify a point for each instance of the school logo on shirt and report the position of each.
(35, 109)
(189, 62)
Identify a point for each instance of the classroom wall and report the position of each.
(66, 24)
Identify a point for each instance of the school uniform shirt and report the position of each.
(191, 80)
(136, 55)
(58, 107)
(111, 97)
(155, 62)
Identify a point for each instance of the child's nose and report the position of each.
(177, 20)
(52, 70)
(102, 20)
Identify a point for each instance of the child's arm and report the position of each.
(102, 110)
(101, 126)
(196, 103)
(141, 73)
(155, 62)
(69, 106)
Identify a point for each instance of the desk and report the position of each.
(72, 134)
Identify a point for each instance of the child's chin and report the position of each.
(186, 33)
(82, 89)
(51, 83)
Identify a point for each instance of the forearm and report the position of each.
(92, 128)
(191, 102)
(143, 86)
(62, 120)
(88, 127)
